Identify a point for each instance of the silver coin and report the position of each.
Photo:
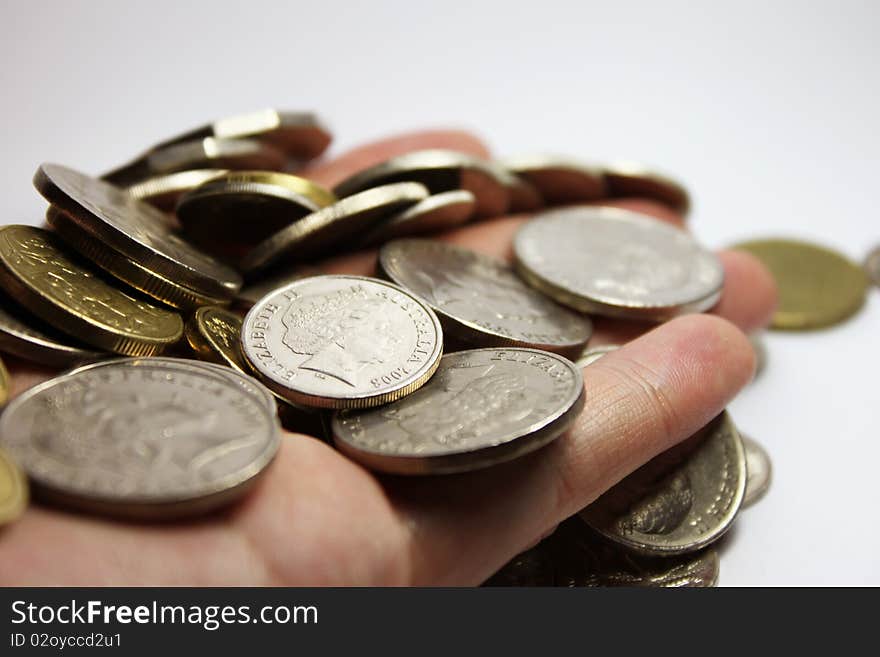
(482, 407)
(631, 179)
(163, 192)
(760, 349)
(436, 213)
(440, 171)
(523, 196)
(759, 471)
(342, 342)
(617, 263)
(143, 438)
(558, 179)
(592, 354)
(315, 234)
(872, 266)
(480, 300)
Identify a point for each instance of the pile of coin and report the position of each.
(202, 249)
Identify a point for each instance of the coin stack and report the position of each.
(204, 250)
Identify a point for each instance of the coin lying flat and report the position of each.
(680, 501)
(313, 235)
(817, 287)
(872, 266)
(36, 271)
(13, 490)
(434, 214)
(215, 334)
(141, 438)
(759, 471)
(479, 300)
(439, 171)
(592, 354)
(482, 407)
(163, 192)
(119, 229)
(4, 384)
(630, 179)
(558, 179)
(533, 567)
(342, 342)
(617, 263)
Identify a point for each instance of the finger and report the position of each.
(750, 294)
(24, 374)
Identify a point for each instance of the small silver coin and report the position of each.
(436, 213)
(482, 407)
(872, 266)
(440, 171)
(480, 300)
(558, 179)
(759, 471)
(631, 179)
(342, 342)
(760, 348)
(144, 438)
(592, 354)
(617, 263)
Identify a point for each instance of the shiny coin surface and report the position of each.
(163, 192)
(13, 490)
(440, 171)
(313, 235)
(482, 407)
(617, 263)
(759, 471)
(37, 271)
(109, 226)
(760, 349)
(480, 300)
(630, 179)
(533, 567)
(342, 342)
(680, 501)
(141, 438)
(558, 179)
(434, 214)
(215, 334)
(592, 354)
(817, 287)
(872, 266)
(4, 384)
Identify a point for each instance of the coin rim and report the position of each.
(13, 507)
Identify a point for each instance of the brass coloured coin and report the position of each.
(559, 180)
(215, 334)
(14, 493)
(631, 179)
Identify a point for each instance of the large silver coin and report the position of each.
(759, 471)
(630, 179)
(440, 171)
(617, 263)
(144, 438)
(480, 300)
(681, 500)
(342, 342)
(482, 407)
(558, 179)
(436, 213)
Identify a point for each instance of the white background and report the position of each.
(768, 111)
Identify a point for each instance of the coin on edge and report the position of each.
(631, 179)
(215, 334)
(759, 346)
(591, 354)
(36, 271)
(759, 471)
(163, 192)
(558, 179)
(13, 490)
(680, 501)
(481, 408)
(342, 342)
(434, 214)
(141, 438)
(818, 287)
(872, 266)
(480, 300)
(617, 263)
(523, 196)
(4, 384)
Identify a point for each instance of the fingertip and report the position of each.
(750, 294)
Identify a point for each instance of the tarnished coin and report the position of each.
(141, 438)
(817, 287)
(439, 171)
(617, 263)
(342, 342)
(759, 471)
(558, 179)
(436, 213)
(680, 501)
(114, 229)
(206, 153)
(482, 407)
(36, 271)
(163, 192)
(312, 236)
(13, 490)
(480, 300)
(4, 384)
(533, 567)
(872, 266)
(522, 195)
(592, 354)
(631, 179)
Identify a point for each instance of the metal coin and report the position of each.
(523, 196)
(817, 287)
(617, 263)
(630, 179)
(680, 501)
(480, 300)
(482, 407)
(592, 354)
(133, 230)
(872, 266)
(342, 342)
(314, 235)
(215, 334)
(440, 171)
(163, 192)
(13, 490)
(141, 438)
(4, 384)
(206, 153)
(760, 349)
(436, 213)
(559, 180)
(759, 471)
(533, 567)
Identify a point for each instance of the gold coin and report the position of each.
(214, 333)
(13, 490)
(163, 192)
(37, 271)
(4, 384)
(817, 286)
(630, 179)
